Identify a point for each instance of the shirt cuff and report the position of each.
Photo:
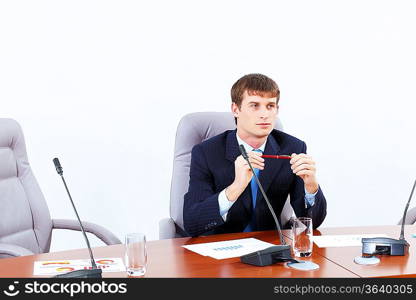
(310, 198)
(224, 204)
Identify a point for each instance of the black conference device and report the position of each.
(273, 254)
(94, 272)
(388, 246)
(269, 256)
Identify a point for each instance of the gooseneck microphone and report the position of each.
(405, 211)
(274, 254)
(388, 246)
(245, 156)
(89, 273)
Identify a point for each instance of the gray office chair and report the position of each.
(410, 217)
(25, 223)
(193, 129)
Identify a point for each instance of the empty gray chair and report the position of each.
(192, 130)
(25, 223)
(410, 217)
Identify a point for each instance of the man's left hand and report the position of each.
(304, 166)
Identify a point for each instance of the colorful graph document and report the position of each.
(228, 249)
(55, 267)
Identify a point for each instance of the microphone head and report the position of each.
(243, 152)
(58, 166)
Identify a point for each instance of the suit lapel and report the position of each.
(232, 151)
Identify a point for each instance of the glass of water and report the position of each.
(136, 254)
(302, 234)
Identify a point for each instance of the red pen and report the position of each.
(277, 156)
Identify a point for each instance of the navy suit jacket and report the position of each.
(212, 170)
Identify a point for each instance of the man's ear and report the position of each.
(235, 110)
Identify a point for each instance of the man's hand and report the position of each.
(243, 174)
(304, 166)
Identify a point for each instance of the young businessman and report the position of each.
(223, 196)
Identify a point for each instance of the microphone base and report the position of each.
(268, 256)
(384, 246)
(93, 273)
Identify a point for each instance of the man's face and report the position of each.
(256, 117)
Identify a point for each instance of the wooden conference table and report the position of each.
(166, 258)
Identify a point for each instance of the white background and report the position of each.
(103, 84)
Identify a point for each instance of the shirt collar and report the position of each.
(247, 146)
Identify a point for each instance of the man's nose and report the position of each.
(264, 113)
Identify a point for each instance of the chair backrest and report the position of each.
(24, 215)
(193, 129)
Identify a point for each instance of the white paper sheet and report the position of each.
(228, 249)
(55, 267)
(347, 240)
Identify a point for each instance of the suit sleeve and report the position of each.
(201, 212)
(297, 199)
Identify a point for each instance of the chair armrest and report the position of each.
(13, 250)
(103, 234)
(167, 229)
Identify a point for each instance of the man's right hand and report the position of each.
(243, 174)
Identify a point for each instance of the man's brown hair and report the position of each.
(254, 84)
